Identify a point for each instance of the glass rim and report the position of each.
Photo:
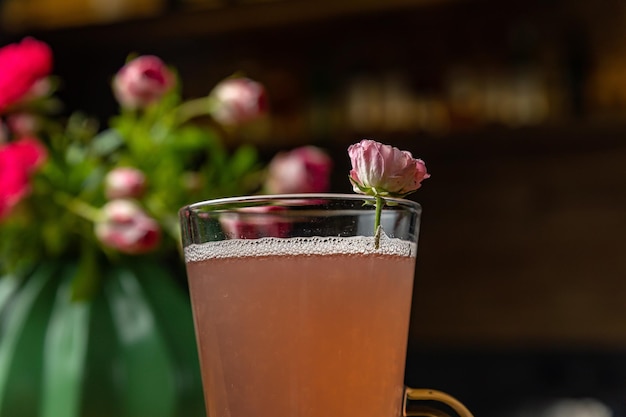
(410, 204)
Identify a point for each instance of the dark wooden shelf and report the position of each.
(185, 23)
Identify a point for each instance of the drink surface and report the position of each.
(298, 327)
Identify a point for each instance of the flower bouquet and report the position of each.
(94, 318)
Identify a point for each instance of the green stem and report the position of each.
(193, 108)
(79, 207)
(380, 202)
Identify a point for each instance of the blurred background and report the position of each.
(518, 109)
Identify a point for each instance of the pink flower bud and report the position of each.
(124, 182)
(23, 124)
(17, 161)
(41, 88)
(239, 100)
(127, 228)
(303, 170)
(254, 223)
(383, 170)
(142, 81)
(22, 66)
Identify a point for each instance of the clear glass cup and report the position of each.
(298, 313)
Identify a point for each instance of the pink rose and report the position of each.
(303, 170)
(254, 223)
(18, 160)
(239, 100)
(383, 170)
(124, 182)
(22, 65)
(127, 228)
(142, 81)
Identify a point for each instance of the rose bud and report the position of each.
(124, 182)
(383, 170)
(127, 228)
(142, 81)
(303, 170)
(23, 124)
(238, 100)
(17, 161)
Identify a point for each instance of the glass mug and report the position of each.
(298, 313)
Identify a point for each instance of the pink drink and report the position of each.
(286, 333)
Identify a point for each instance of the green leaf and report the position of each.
(86, 280)
(173, 312)
(74, 154)
(106, 142)
(192, 137)
(8, 285)
(243, 160)
(24, 319)
(102, 395)
(92, 178)
(80, 126)
(147, 378)
(64, 354)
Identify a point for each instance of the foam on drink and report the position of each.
(356, 245)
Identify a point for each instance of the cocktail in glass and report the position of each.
(298, 311)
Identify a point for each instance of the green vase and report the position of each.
(127, 351)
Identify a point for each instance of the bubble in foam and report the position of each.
(271, 246)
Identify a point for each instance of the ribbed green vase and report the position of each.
(128, 351)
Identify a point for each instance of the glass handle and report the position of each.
(427, 403)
